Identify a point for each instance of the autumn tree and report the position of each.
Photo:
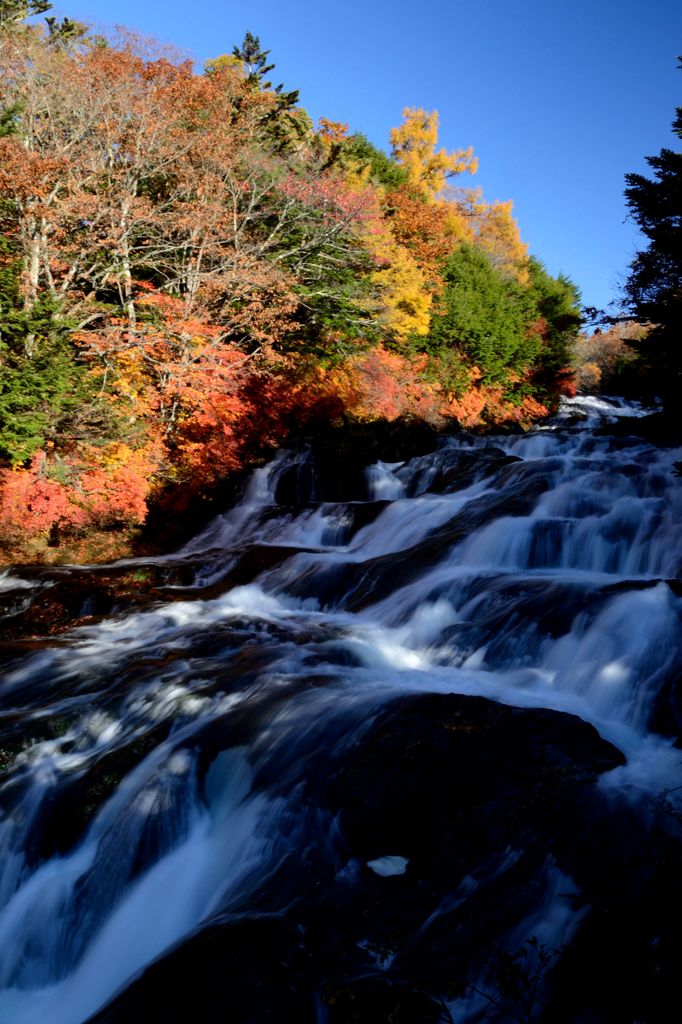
(606, 360)
(414, 148)
(143, 168)
(430, 231)
(405, 299)
(188, 267)
(72, 172)
(497, 234)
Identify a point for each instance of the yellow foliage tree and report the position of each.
(497, 233)
(414, 147)
(222, 63)
(404, 296)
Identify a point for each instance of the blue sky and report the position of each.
(559, 101)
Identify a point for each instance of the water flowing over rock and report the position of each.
(395, 738)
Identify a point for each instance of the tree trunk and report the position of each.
(32, 246)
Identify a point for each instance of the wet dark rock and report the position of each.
(430, 762)
(623, 963)
(178, 515)
(453, 469)
(666, 716)
(660, 428)
(481, 799)
(484, 801)
(63, 598)
(335, 468)
(466, 790)
(512, 616)
(15, 601)
(366, 582)
(248, 564)
(341, 451)
(376, 1000)
(244, 972)
(355, 585)
(70, 808)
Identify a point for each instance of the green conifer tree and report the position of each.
(484, 320)
(653, 291)
(14, 11)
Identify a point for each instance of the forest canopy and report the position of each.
(190, 267)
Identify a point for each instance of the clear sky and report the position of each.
(559, 100)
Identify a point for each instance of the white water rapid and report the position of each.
(538, 571)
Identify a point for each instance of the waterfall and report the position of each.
(166, 770)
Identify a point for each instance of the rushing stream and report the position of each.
(215, 766)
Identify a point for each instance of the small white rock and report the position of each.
(388, 866)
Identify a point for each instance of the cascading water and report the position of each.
(181, 773)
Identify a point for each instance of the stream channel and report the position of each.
(406, 753)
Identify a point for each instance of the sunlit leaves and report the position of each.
(414, 147)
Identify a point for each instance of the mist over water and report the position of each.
(155, 760)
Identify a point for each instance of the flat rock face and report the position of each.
(493, 813)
